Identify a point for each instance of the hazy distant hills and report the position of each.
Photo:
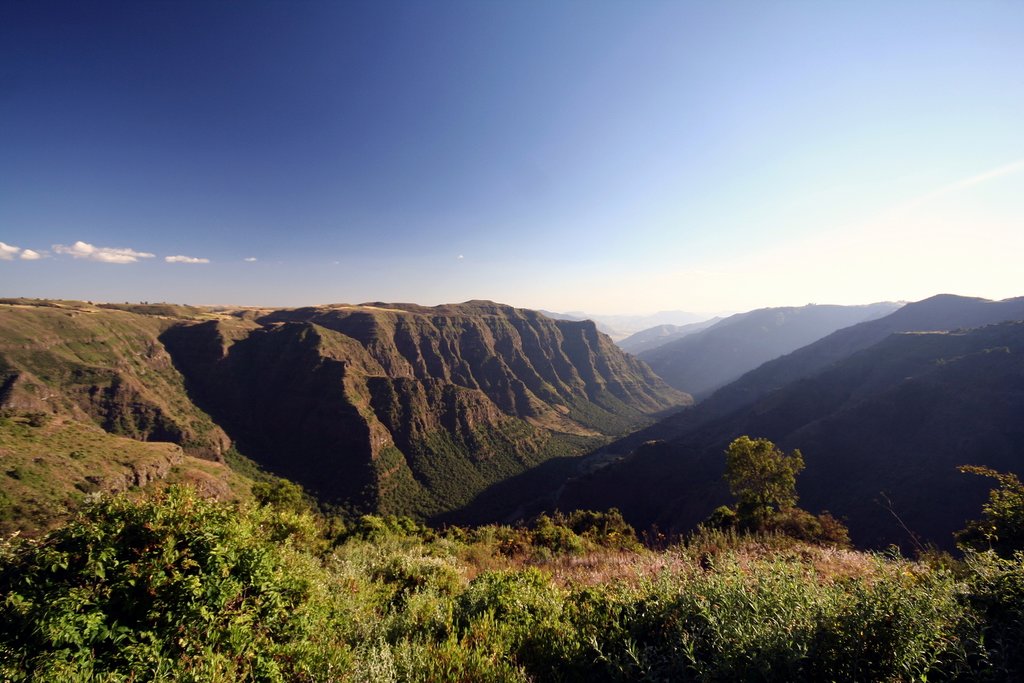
(653, 337)
(883, 420)
(703, 361)
(940, 312)
(388, 407)
(619, 327)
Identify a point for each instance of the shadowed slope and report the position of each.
(894, 419)
(702, 362)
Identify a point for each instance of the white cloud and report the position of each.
(31, 255)
(250, 259)
(7, 252)
(185, 259)
(460, 257)
(102, 254)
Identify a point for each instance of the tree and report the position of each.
(1002, 528)
(762, 478)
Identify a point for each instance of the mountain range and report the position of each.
(659, 335)
(392, 408)
(707, 359)
(883, 411)
(621, 326)
(479, 411)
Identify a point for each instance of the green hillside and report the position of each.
(51, 464)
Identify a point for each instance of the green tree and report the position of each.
(762, 478)
(1002, 525)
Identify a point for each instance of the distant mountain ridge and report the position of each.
(713, 357)
(620, 326)
(653, 337)
(882, 414)
(942, 312)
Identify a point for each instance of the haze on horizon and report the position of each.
(606, 157)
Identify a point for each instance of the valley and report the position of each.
(395, 477)
(477, 412)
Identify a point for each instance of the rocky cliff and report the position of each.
(386, 407)
(404, 408)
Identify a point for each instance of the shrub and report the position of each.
(172, 588)
(996, 594)
(1002, 525)
(804, 526)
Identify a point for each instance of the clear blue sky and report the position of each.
(596, 156)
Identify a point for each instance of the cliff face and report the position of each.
(386, 407)
(411, 409)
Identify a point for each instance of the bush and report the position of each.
(179, 588)
(804, 526)
(172, 588)
(996, 594)
(1002, 525)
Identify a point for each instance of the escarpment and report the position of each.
(408, 408)
(380, 407)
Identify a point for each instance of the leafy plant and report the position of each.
(1002, 525)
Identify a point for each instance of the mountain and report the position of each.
(653, 337)
(51, 463)
(937, 313)
(618, 327)
(702, 362)
(384, 407)
(882, 432)
(580, 317)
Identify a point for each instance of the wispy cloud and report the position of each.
(84, 250)
(250, 259)
(185, 259)
(30, 255)
(962, 184)
(8, 252)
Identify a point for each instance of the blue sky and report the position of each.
(596, 156)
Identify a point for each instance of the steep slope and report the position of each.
(102, 366)
(653, 337)
(937, 313)
(410, 409)
(881, 431)
(702, 362)
(51, 463)
(384, 407)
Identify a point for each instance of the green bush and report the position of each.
(172, 588)
(996, 595)
(1002, 525)
(183, 589)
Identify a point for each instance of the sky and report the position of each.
(607, 157)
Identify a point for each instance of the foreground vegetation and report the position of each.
(180, 588)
